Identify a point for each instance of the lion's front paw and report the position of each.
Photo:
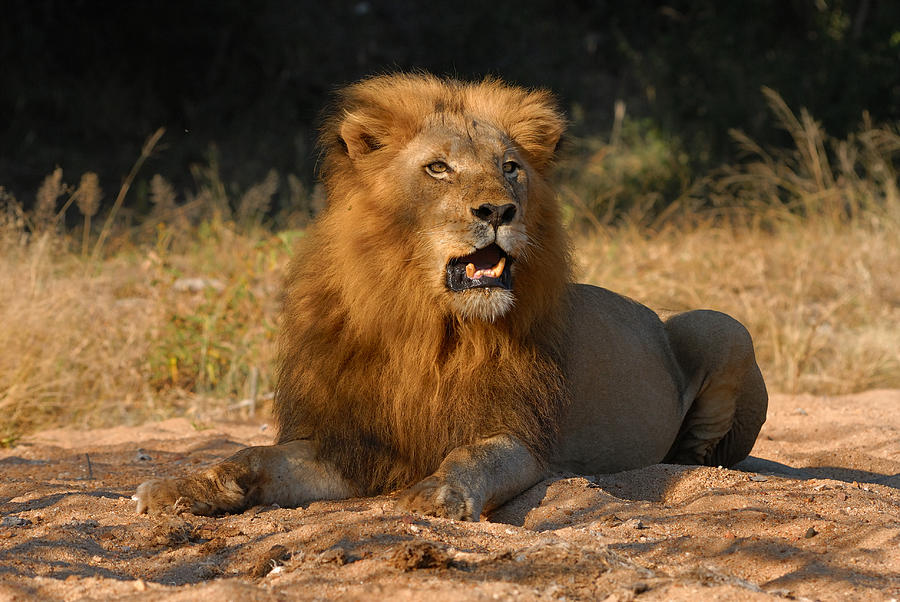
(437, 497)
(195, 495)
(158, 495)
(166, 495)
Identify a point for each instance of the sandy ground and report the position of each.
(813, 514)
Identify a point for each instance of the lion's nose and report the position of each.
(495, 215)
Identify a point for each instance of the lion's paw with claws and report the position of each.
(437, 497)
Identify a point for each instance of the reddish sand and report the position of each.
(813, 514)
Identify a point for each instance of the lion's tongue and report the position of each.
(484, 262)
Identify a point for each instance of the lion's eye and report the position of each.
(510, 167)
(437, 168)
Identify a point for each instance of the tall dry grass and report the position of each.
(177, 315)
(801, 243)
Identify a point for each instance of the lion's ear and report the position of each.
(537, 127)
(362, 133)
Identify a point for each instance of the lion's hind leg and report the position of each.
(725, 391)
(287, 474)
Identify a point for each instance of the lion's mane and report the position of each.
(375, 368)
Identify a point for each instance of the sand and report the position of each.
(814, 513)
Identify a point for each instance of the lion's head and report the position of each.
(423, 309)
(456, 172)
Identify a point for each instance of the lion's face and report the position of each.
(468, 185)
(451, 176)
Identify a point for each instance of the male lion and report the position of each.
(432, 339)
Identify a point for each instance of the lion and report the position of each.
(433, 341)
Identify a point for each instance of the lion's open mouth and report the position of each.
(485, 268)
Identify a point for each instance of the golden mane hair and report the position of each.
(375, 369)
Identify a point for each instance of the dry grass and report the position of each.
(822, 304)
(121, 340)
(802, 247)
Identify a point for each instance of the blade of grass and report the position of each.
(123, 191)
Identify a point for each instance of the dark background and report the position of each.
(84, 82)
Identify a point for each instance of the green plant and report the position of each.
(635, 176)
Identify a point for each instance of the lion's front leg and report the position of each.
(287, 474)
(475, 478)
